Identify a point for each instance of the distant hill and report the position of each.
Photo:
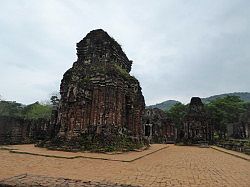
(166, 105)
(245, 96)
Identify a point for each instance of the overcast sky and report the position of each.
(179, 48)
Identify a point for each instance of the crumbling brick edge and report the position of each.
(15, 181)
(230, 153)
(73, 157)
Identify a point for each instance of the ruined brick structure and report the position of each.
(157, 127)
(240, 129)
(196, 127)
(237, 130)
(245, 123)
(98, 95)
(15, 130)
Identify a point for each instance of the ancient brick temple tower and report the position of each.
(98, 95)
(196, 127)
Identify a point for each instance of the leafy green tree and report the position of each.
(54, 100)
(176, 113)
(32, 111)
(245, 117)
(37, 110)
(11, 108)
(223, 111)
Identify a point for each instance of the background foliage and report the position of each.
(221, 111)
(32, 111)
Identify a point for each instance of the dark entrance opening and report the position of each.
(147, 130)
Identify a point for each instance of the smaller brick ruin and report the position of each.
(196, 126)
(240, 129)
(245, 122)
(15, 130)
(157, 127)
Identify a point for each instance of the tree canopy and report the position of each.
(176, 113)
(225, 110)
(32, 111)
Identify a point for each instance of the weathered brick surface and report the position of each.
(158, 128)
(98, 95)
(45, 181)
(196, 125)
(16, 130)
(174, 166)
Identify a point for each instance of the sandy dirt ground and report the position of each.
(173, 166)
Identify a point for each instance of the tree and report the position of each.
(32, 111)
(36, 111)
(245, 117)
(223, 111)
(176, 113)
(54, 100)
(10, 108)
